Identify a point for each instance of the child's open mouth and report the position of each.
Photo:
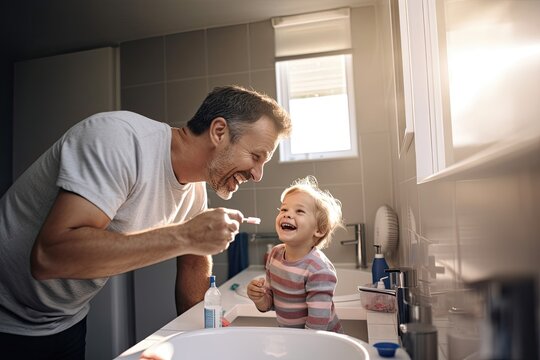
(287, 226)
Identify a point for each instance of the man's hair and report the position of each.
(327, 208)
(240, 107)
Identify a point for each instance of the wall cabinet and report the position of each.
(471, 70)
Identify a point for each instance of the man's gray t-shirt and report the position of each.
(121, 162)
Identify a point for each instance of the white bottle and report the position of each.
(212, 305)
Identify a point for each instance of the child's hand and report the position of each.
(256, 290)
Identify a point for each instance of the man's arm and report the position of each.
(74, 243)
(192, 273)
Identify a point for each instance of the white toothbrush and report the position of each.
(252, 220)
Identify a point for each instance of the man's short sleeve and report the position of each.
(98, 161)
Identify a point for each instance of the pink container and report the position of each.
(377, 302)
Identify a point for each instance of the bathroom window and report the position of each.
(318, 93)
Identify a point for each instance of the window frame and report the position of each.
(282, 89)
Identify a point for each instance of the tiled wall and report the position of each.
(477, 225)
(167, 77)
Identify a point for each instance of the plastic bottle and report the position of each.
(212, 305)
(380, 283)
(267, 253)
(378, 267)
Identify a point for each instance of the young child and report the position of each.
(300, 280)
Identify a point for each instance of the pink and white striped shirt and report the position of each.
(301, 291)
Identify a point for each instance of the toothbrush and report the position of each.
(252, 220)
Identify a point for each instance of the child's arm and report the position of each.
(320, 287)
(260, 295)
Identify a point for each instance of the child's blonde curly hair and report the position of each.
(328, 209)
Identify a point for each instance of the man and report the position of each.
(119, 192)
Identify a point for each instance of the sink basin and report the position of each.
(347, 286)
(354, 328)
(247, 343)
(353, 318)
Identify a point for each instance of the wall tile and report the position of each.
(282, 175)
(242, 200)
(264, 81)
(377, 179)
(338, 170)
(413, 212)
(437, 207)
(141, 61)
(261, 45)
(227, 49)
(148, 100)
(184, 98)
(369, 84)
(489, 228)
(241, 79)
(185, 55)
(267, 203)
(352, 200)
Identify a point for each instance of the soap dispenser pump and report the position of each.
(378, 268)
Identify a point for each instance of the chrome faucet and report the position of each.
(404, 285)
(360, 244)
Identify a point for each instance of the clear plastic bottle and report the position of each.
(212, 305)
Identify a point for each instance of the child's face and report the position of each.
(296, 223)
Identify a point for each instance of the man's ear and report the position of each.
(218, 131)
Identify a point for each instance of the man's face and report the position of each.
(244, 160)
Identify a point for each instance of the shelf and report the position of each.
(518, 153)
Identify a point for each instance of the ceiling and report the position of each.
(35, 28)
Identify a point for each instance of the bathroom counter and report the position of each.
(381, 326)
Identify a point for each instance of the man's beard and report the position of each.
(217, 178)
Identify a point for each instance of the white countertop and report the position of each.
(381, 326)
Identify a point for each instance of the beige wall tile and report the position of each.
(241, 79)
(351, 198)
(184, 98)
(242, 200)
(437, 207)
(264, 81)
(267, 204)
(185, 55)
(261, 45)
(436, 203)
(227, 49)
(282, 175)
(148, 100)
(142, 62)
(368, 78)
(338, 171)
(490, 228)
(377, 179)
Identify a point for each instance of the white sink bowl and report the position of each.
(248, 343)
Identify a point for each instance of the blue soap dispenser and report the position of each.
(378, 267)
